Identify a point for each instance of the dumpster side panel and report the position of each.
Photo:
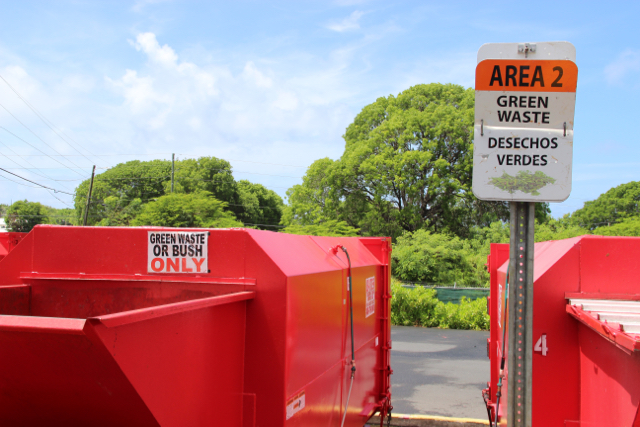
(315, 339)
(15, 299)
(266, 335)
(556, 375)
(187, 367)
(499, 255)
(610, 390)
(89, 250)
(366, 384)
(79, 299)
(57, 376)
(607, 261)
(123, 250)
(228, 253)
(322, 396)
(8, 241)
(17, 260)
(320, 338)
(366, 318)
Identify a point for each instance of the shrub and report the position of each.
(412, 306)
(419, 306)
(469, 314)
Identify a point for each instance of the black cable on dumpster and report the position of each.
(502, 360)
(353, 355)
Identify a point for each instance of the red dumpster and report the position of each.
(174, 327)
(586, 328)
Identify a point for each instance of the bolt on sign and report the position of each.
(524, 112)
(177, 252)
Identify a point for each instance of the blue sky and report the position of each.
(271, 86)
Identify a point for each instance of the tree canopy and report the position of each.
(24, 215)
(199, 209)
(439, 259)
(121, 193)
(626, 227)
(407, 165)
(610, 207)
(331, 227)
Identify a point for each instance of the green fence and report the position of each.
(454, 294)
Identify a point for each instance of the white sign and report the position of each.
(370, 289)
(177, 252)
(295, 404)
(524, 112)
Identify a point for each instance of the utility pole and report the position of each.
(173, 168)
(86, 208)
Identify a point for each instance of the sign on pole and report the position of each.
(524, 111)
(523, 148)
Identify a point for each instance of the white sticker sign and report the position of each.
(177, 252)
(370, 289)
(295, 404)
(524, 113)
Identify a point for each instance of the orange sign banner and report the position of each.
(527, 75)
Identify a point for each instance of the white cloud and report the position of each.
(252, 74)
(148, 43)
(626, 63)
(170, 100)
(347, 24)
(287, 101)
(280, 110)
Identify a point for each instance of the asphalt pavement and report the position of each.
(439, 371)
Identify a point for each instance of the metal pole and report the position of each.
(173, 168)
(520, 314)
(86, 208)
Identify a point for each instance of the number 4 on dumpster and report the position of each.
(541, 345)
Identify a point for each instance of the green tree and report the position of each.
(63, 216)
(308, 202)
(610, 207)
(330, 227)
(261, 207)
(407, 165)
(626, 227)
(119, 211)
(127, 182)
(206, 174)
(558, 229)
(186, 210)
(120, 193)
(24, 215)
(423, 256)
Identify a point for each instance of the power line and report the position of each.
(40, 185)
(36, 135)
(44, 120)
(36, 148)
(44, 176)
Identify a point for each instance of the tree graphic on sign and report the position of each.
(524, 181)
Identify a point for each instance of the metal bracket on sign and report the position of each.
(526, 48)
